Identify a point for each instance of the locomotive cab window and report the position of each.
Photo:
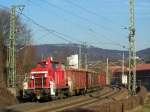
(38, 82)
(44, 81)
(54, 65)
(42, 64)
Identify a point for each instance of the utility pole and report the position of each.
(85, 56)
(123, 74)
(132, 50)
(107, 74)
(11, 58)
(123, 64)
(80, 56)
(86, 61)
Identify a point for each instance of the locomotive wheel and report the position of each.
(83, 92)
(61, 95)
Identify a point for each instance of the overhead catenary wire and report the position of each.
(67, 20)
(89, 11)
(54, 32)
(65, 35)
(93, 13)
(73, 14)
(112, 42)
(51, 31)
(108, 30)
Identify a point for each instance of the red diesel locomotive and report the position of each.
(50, 79)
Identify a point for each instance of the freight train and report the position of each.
(50, 80)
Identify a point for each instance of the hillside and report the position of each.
(145, 54)
(60, 51)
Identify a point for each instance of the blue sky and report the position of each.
(98, 22)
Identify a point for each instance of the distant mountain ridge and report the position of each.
(144, 54)
(60, 51)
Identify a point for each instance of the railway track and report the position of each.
(69, 103)
(80, 103)
(109, 98)
(83, 103)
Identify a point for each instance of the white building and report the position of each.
(73, 61)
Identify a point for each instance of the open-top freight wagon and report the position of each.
(50, 79)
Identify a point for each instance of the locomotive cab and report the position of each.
(42, 81)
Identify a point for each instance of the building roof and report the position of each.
(141, 67)
(114, 69)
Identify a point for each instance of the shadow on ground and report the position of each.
(78, 110)
(7, 110)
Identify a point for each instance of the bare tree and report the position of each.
(24, 49)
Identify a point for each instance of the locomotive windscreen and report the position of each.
(40, 82)
(42, 64)
(54, 65)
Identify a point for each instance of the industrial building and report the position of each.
(142, 75)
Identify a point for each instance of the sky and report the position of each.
(100, 23)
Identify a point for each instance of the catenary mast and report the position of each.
(132, 50)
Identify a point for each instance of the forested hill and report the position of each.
(60, 51)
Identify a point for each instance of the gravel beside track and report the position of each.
(103, 99)
(114, 96)
(68, 103)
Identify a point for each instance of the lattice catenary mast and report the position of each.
(132, 50)
(11, 59)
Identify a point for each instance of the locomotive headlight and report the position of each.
(32, 77)
(25, 85)
(46, 75)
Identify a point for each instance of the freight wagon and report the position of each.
(50, 80)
